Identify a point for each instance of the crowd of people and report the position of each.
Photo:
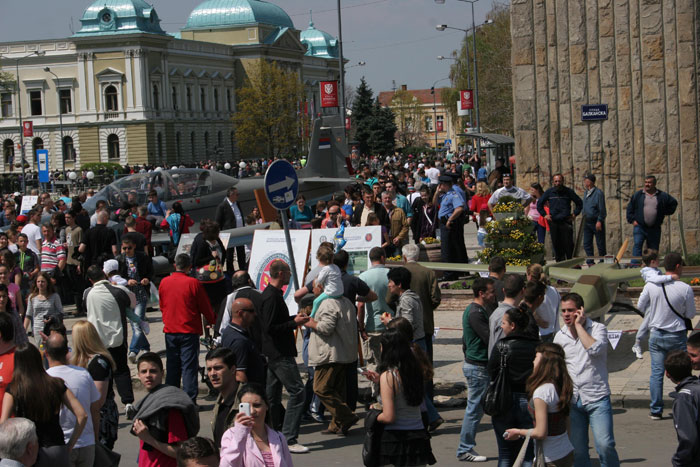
(538, 380)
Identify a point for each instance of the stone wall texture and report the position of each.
(642, 59)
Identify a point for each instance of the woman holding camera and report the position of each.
(251, 442)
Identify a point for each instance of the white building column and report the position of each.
(129, 81)
(139, 78)
(165, 83)
(82, 84)
(91, 81)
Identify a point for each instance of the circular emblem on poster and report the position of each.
(322, 238)
(263, 279)
(368, 237)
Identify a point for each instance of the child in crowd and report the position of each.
(320, 209)
(484, 219)
(650, 273)
(328, 278)
(111, 270)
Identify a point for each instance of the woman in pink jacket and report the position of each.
(250, 442)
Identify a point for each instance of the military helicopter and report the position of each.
(598, 284)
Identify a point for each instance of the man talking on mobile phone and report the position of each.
(585, 345)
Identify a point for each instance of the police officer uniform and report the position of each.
(452, 248)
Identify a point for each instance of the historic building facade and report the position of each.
(126, 91)
(640, 58)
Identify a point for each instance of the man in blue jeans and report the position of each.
(475, 341)
(279, 346)
(646, 211)
(668, 304)
(585, 345)
(183, 302)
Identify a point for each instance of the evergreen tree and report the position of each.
(382, 130)
(362, 115)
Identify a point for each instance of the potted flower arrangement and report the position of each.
(511, 235)
(429, 249)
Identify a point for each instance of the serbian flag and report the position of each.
(324, 143)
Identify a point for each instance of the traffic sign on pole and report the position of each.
(281, 184)
(42, 164)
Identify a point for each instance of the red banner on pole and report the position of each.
(466, 99)
(329, 94)
(28, 128)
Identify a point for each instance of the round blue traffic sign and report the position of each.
(281, 184)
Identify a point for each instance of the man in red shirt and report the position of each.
(7, 351)
(144, 227)
(183, 302)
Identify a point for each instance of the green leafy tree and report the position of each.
(362, 115)
(382, 130)
(7, 83)
(266, 121)
(493, 53)
(410, 118)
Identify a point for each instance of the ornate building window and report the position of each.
(35, 102)
(111, 100)
(189, 98)
(202, 99)
(156, 97)
(8, 151)
(113, 147)
(174, 97)
(65, 101)
(216, 99)
(68, 149)
(6, 104)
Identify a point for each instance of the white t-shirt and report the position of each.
(330, 278)
(33, 233)
(554, 447)
(81, 384)
(433, 174)
(549, 310)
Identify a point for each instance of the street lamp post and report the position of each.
(60, 119)
(19, 110)
(466, 72)
(342, 71)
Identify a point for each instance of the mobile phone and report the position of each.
(244, 407)
(361, 370)
(505, 434)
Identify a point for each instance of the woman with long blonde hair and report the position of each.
(550, 390)
(90, 353)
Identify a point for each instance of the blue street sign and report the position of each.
(594, 112)
(281, 184)
(42, 165)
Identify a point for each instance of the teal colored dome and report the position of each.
(319, 43)
(228, 13)
(119, 17)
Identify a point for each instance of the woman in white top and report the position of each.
(550, 389)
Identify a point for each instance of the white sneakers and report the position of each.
(472, 456)
(129, 411)
(132, 357)
(297, 448)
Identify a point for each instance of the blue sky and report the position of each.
(396, 38)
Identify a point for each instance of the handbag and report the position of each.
(371, 446)
(539, 453)
(498, 399)
(105, 457)
(688, 323)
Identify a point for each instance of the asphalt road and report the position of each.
(640, 440)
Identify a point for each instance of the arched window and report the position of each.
(160, 146)
(206, 142)
(111, 101)
(192, 145)
(202, 99)
(216, 99)
(174, 97)
(219, 140)
(37, 143)
(178, 148)
(113, 146)
(68, 149)
(8, 151)
(156, 97)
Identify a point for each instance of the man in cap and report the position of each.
(594, 217)
(451, 216)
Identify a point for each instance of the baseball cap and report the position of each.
(22, 219)
(110, 265)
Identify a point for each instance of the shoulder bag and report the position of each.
(688, 323)
(373, 438)
(498, 399)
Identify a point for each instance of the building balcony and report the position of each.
(111, 115)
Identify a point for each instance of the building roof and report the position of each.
(231, 13)
(106, 17)
(319, 43)
(423, 95)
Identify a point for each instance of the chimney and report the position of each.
(404, 87)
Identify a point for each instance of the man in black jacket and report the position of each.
(646, 211)
(279, 346)
(560, 218)
(229, 215)
(686, 408)
(370, 204)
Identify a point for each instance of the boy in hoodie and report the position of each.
(686, 408)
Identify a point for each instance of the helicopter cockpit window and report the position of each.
(191, 183)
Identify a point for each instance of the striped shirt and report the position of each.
(51, 254)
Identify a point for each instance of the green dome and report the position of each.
(119, 17)
(227, 13)
(319, 43)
